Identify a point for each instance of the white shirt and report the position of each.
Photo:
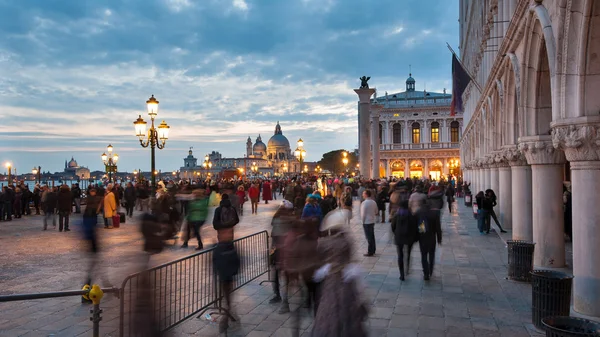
(368, 211)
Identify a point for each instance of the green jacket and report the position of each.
(198, 210)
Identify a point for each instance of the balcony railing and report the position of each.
(420, 146)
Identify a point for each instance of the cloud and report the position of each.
(74, 77)
(240, 5)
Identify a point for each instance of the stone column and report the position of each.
(505, 193)
(547, 182)
(375, 133)
(521, 194)
(426, 169)
(487, 176)
(406, 168)
(578, 137)
(364, 134)
(445, 168)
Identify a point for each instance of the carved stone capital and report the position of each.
(579, 138)
(539, 150)
(513, 156)
(499, 160)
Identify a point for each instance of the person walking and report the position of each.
(429, 230)
(130, 196)
(242, 198)
(65, 202)
(368, 215)
(482, 213)
(196, 216)
(450, 197)
(90, 220)
(281, 223)
(110, 207)
(405, 234)
(253, 194)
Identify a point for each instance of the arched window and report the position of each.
(435, 132)
(454, 131)
(416, 133)
(380, 134)
(397, 133)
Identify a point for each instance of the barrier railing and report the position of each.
(178, 290)
(92, 293)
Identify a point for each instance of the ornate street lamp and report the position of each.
(110, 162)
(254, 168)
(345, 160)
(305, 168)
(300, 153)
(37, 171)
(154, 137)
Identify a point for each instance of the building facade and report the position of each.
(272, 159)
(533, 130)
(415, 135)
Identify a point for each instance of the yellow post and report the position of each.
(96, 295)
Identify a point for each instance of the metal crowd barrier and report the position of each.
(178, 290)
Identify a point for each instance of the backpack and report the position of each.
(228, 217)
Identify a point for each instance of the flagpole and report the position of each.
(466, 69)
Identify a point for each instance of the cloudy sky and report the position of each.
(75, 74)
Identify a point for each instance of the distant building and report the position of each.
(72, 168)
(417, 135)
(272, 159)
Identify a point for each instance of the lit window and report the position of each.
(435, 132)
(416, 133)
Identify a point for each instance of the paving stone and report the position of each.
(404, 321)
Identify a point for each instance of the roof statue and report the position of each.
(363, 82)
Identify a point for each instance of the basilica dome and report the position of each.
(278, 139)
(73, 163)
(259, 146)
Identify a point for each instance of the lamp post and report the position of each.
(254, 168)
(110, 162)
(8, 168)
(207, 164)
(345, 161)
(37, 171)
(154, 137)
(135, 173)
(300, 152)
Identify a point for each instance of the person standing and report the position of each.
(37, 195)
(49, 200)
(76, 191)
(110, 207)
(130, 196)
(253, 194)
(241, 195)
(429, 229)
(267, 193)
(368, 215)
(281, 223)
(65, 202)
(450, 197)
(489, 194)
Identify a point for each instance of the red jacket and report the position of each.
(253, 192)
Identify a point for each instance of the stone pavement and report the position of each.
(467, 296)
(32, 260)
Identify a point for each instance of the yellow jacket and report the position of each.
(110, 205)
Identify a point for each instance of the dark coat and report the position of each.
(130, 194)
(217, 218)
(51, 201)
(65, 200)
(433, 227)
(404, 228)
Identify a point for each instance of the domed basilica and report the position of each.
(72, 168)
(272, 159)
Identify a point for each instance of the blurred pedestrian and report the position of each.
(110, 207)
(368, 215)
(429, 229)
(405, 234)
(341, 310)
(253, 194)
(49, 202)
(130, 197)
(196, 216)
(226, 264)
(281, 223)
